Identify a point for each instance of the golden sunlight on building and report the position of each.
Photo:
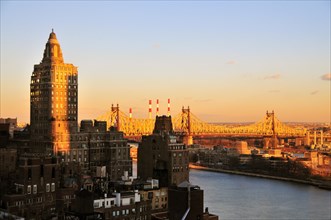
(54, 103)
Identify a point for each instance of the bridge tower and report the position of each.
(186, 125)
(115, 117)
(271, 116)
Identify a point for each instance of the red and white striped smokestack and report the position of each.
(168, 107)
(150, 109)
(130, 113)
(157, 107)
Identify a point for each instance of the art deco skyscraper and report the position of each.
(53, 100)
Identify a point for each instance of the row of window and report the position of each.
(64, 112)
(177, 147)
(65, 93)
(57, 105)
(49, 188)
(124, 212)
(179, 169)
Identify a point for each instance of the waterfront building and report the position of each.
(12, 124)
(162, 156)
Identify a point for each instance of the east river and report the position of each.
(234, 197)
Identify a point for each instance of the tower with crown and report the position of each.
(53, 100)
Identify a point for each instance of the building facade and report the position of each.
(54, 114)
(162, 156)
(34, 195)
(53, 100)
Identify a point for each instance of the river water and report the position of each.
(234, 197)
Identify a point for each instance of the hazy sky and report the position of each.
(229, 61)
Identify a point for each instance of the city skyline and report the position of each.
(227, 68)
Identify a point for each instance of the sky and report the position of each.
(230, 61)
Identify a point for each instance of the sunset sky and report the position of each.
(229, 61)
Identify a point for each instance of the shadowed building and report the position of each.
(34, 195)
(161, 156)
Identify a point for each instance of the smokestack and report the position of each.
(157, 107)
(130, 113)
(150, 109)
(168, 107)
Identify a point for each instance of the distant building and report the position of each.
(161, 156)
(4, 135)
(275, 152)
(12, 124)
(240, 147)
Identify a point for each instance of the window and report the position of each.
(29, 189)
(53, 187)
(41, 170)
(47, 187)
(53, 172)
(34, 189)
(29, 173)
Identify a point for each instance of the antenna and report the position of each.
(150, 109)
(157, 107)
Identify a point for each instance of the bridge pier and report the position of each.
(270, 142)
(188, 139)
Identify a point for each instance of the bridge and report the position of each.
(189, 125)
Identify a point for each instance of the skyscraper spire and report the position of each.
(52, 52)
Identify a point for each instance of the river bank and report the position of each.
(321, 184)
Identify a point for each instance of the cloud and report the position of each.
(314, 92)
(326, 76)
(231, 62)
(274, 91)
(156, 45)
(275, 76)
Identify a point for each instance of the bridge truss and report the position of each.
(188, 123)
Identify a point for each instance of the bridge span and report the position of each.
(190, 126)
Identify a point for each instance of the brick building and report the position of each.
(34, 195)
(162, 156)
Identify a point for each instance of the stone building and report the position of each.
(54, 128)
(53, 100)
